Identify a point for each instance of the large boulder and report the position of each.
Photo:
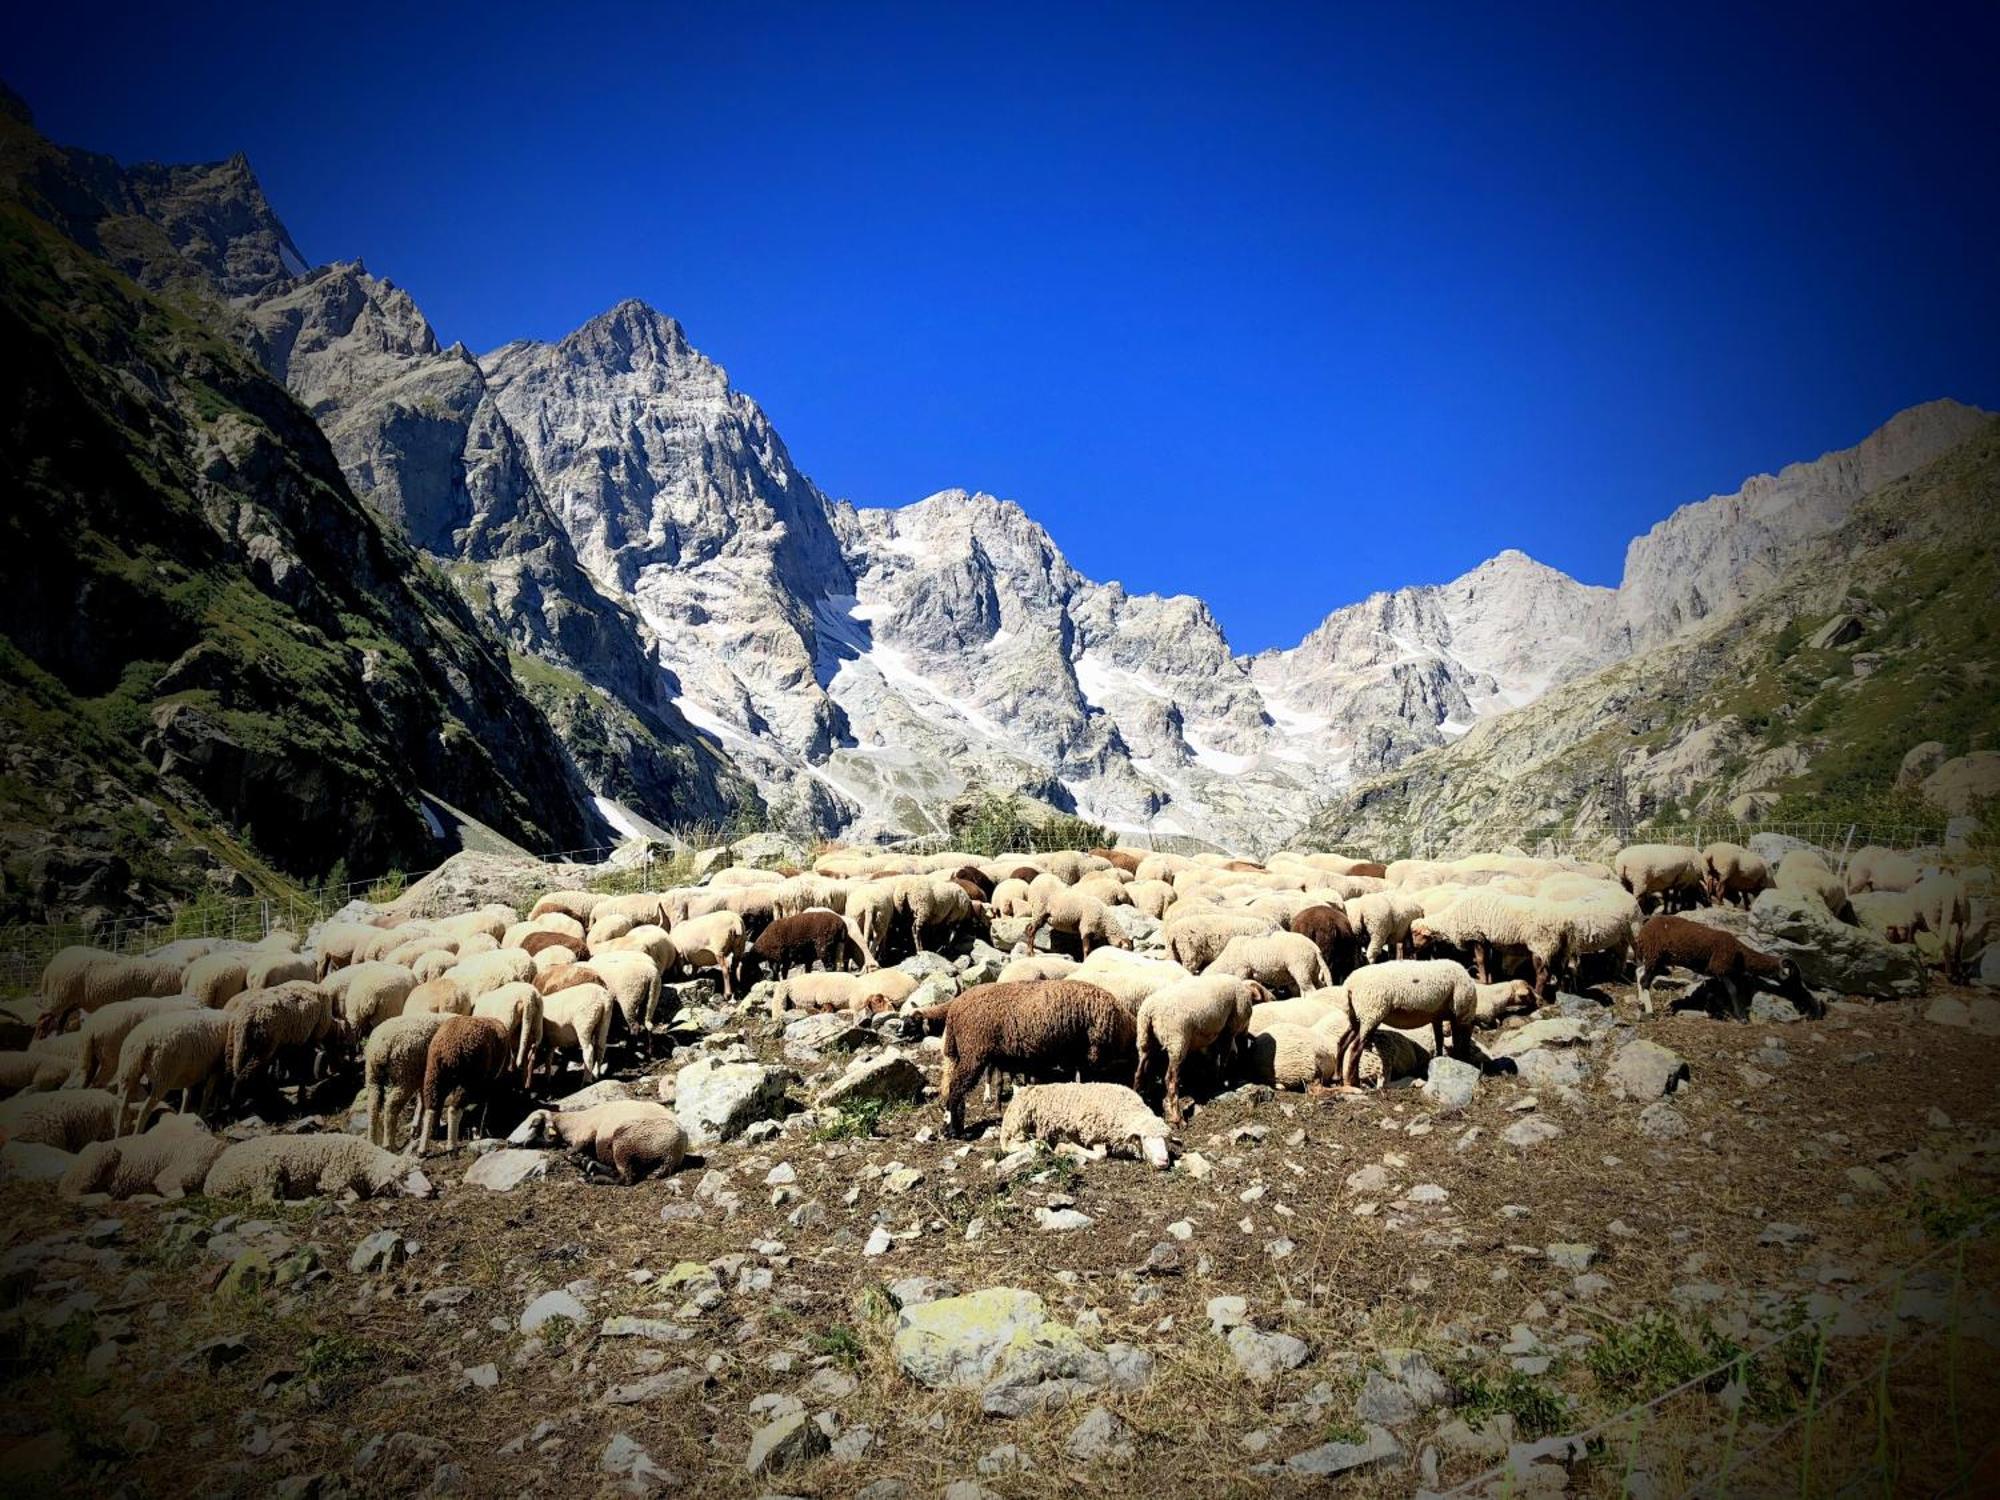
(1959, 787)
(718, 1101)
(1645, 1071)
(1830, 954)
(890, 1077)
(1003, 1343)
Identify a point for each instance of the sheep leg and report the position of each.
(1479, 959)
(1173, 1086)
(1437, 1036)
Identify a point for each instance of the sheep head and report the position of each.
(536, 1130)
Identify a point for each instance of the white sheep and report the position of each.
(1074, 911)
(1946, 911)
(634, 984)
(216, 978)
(1131, 977)
(488, 971)
(392, 1064)
(715, 941)
(634, 1137)
(290, 1021)
(1407, 993)
(1506, 998)
(172, 1159)
(1085, 1114)
(1200, 1015)
(366, 994)
(176, 1049)
(1382, 921)
(1306, 1010)
(1891, 915)
(105, 979)
(1037, 966)
(262, 970)
(1803, 872)
(68, 1119)
(1734, 874)
(442, 996)
(518, 1007)
(1197, 938)
(1283, 962)
(1874, 868)
(1671, 875)
(655, 942)
(858, 994)
(579, 1017)
(103, 1033)
(276, 1167)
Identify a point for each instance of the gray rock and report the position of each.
(716, 1101)
(1265, 1356)
(1378, 1446)
(1571, 1257)
(1451, 1084)
(560, 1303)
(623, 1458)
(1662, 1122)
(1099, 1435)
(1830, 954)
(791, 1439)
(892, 1077)
(1645, 1071)
(1384, 1402)
(810, 1037)
(1001, 1341)
(504, 1170)
(604, 1091)
(1551, 1068)
(1225, 1313)
(1061, 1219)
(381, 1251)
(1533, 1131)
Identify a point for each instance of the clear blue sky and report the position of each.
(1274, 305)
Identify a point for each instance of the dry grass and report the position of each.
(1449, 1278)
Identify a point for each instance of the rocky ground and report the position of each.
(1385, 1286)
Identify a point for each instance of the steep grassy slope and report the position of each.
(206, 628)
(1757, 715)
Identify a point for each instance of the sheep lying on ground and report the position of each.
(1661, 874)
(466, 1062)
(34, 1071)
(393, 1073)
(813, 935)
(1046, 1026)
(1404, 994)
(176, 1049)
(1037, 966)
(858, 994)
(1085, 1114)
(1676, 943)
(1074, 911)
(1196, 939)
(68, 1119)
(1283, 962)
(1287, 1055)
(276, 1167)
(1202, 1015)
(634, 1137)
(172, 1159)
(1306, 1010)
(1508, 997)
(1874, 868)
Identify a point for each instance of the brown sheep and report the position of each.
(1668, 942)
(814, 934)
(469, 1058)
(634, 1137)
(1124, 859)
(1032, 1028)
(1333, 935)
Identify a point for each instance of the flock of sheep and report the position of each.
(1123, 968)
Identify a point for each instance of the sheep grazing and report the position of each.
(392, 1065)
(266, 1026)
(366, 994)
(1403, 994)
(634, 985)
(101, 979)
(1331, 931)
(579, 1017)
(33, 1072)
(172, 1159)
(488, 971)
(1076, 912)
(1803, 872)
(468, 1060)
(273, 1168)
(1669, 875)
(1382, 921)
(1091, 1115)
(1285, 963)
(655, 942)
(1045, 1026)
(177, 1049)
(715, 941)
(1734, 874)
(858, 994)
(1945, 911)
(68, 1119)
(634, 1137)
(103, 1032)
(1890, 915)
(1874, 868)
(1668, 942)
(518, 1007)
(1202, 1015)
(217, 978)
(1196, 939)
(813, 935)
(935, 904)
